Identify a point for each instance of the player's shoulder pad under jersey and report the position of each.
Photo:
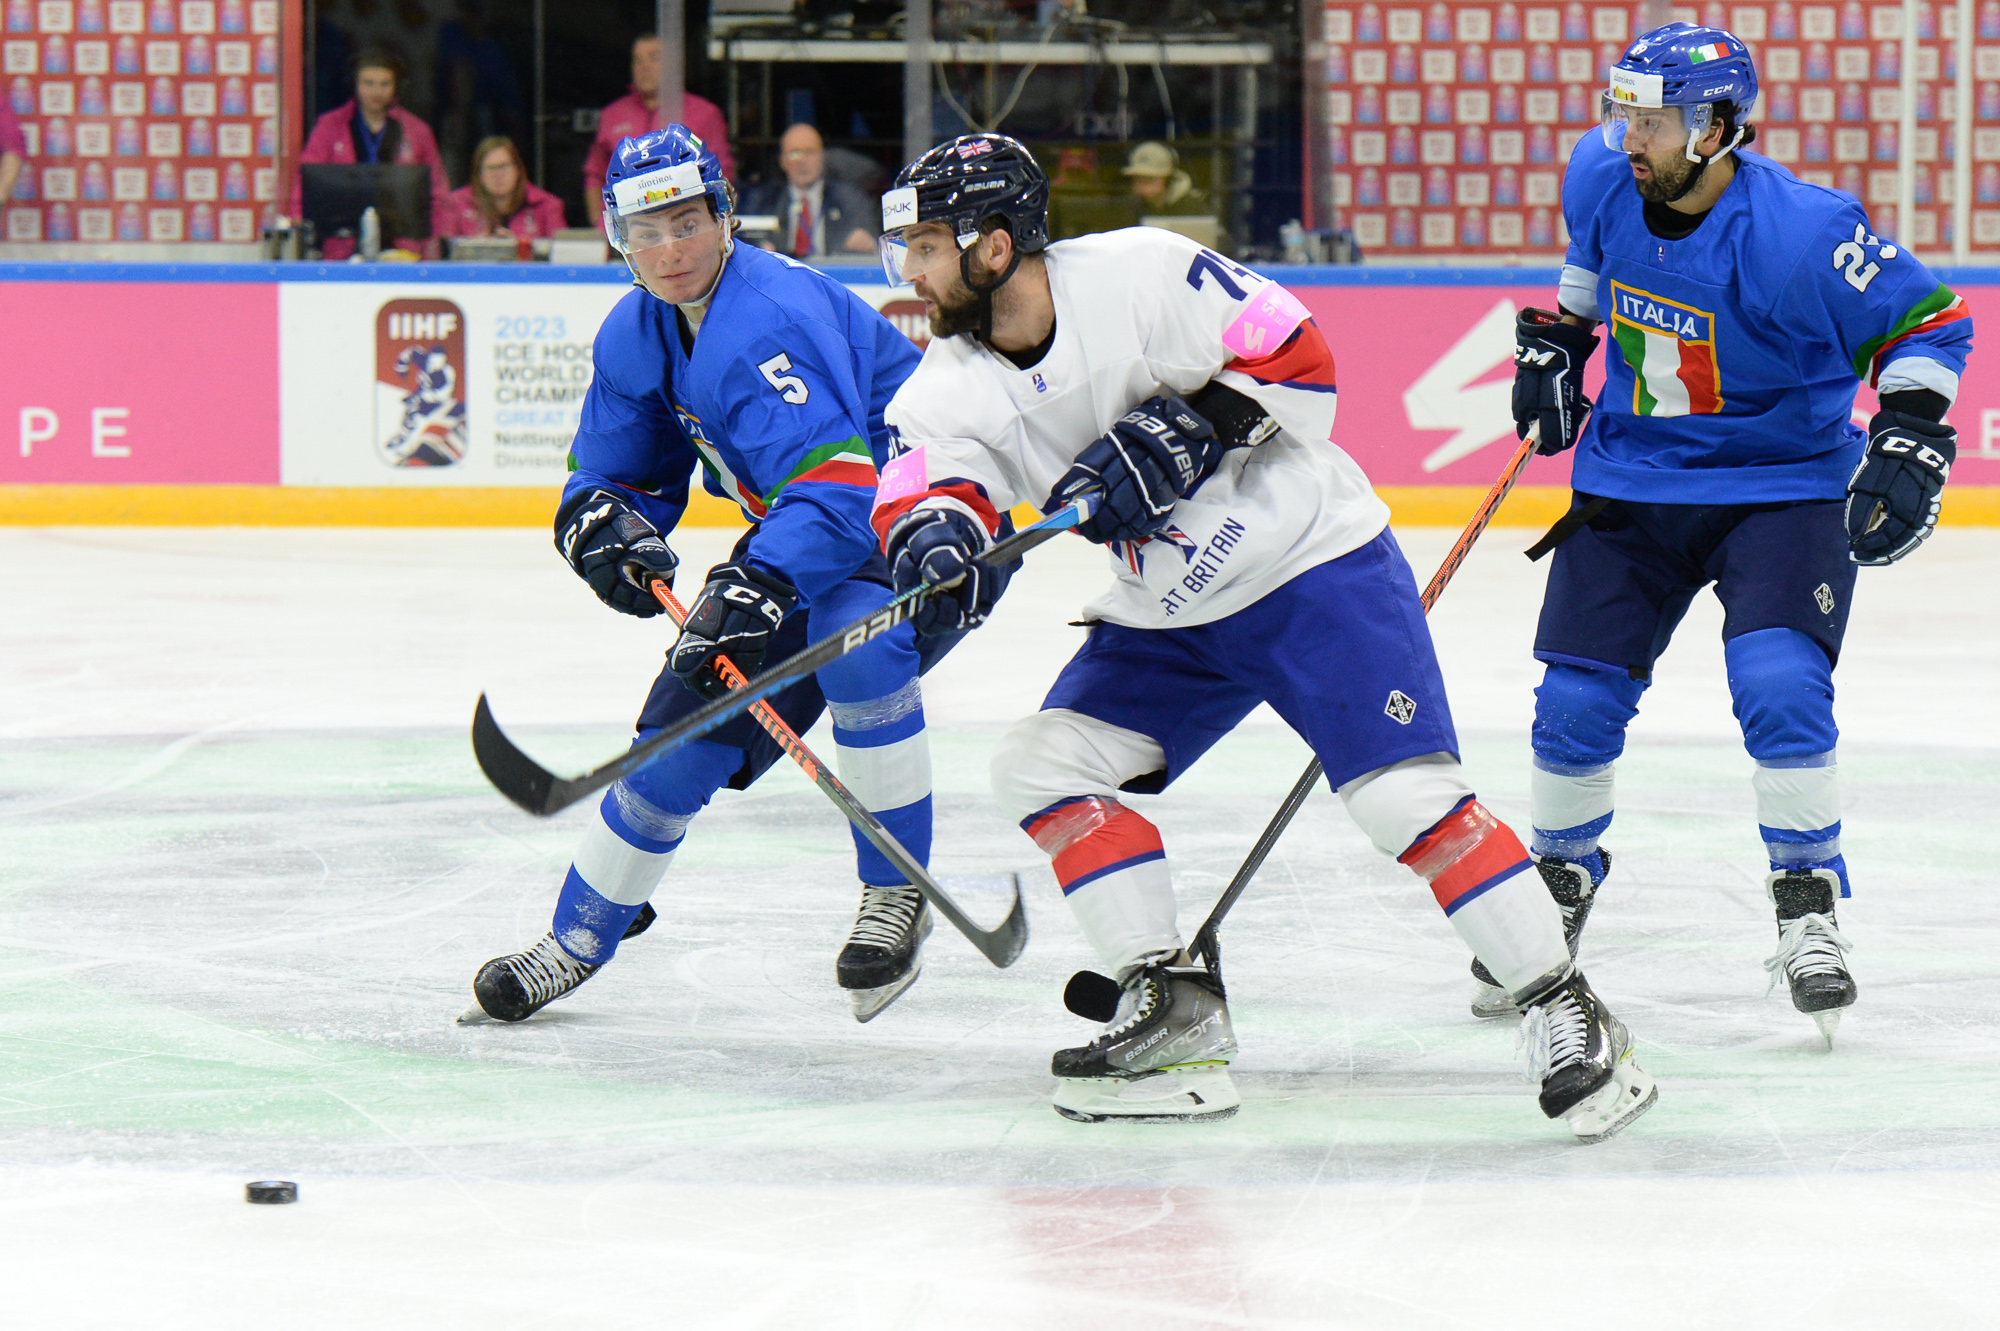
(1595, 174)
(630, 349)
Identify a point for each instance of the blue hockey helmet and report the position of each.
(1669, 84)
(655, 171)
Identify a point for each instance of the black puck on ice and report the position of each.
(271, 1192)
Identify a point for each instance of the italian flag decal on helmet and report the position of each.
(1671, 349)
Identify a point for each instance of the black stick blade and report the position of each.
(1004, 944)
(512, 772)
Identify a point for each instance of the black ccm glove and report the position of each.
(1549, 356)
(1894, 495)
(734, 616)
(599, 533)
(1157, 452)
(937, 545)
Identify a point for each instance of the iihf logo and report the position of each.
(1401, 708)
(1040, 385)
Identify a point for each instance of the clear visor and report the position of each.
(931, 250)
(632, 233)
(1648, 129)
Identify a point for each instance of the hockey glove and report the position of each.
(734, 616)
(1549, 356)
(599, 534)
(1894, 495)
(936, 546)
(1156, 454)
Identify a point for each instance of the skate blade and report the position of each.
(1630, 1093)
(868, 1003)
(1490, 1002)
(473, 1016)
(1189, 1093)
(1828, 1022)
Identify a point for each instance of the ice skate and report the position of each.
(1811, 951)
(1582, 1057)
(885, 952)
(1164, 1058)
(515, 987)
(1570, 883)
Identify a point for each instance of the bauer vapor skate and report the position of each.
(1812, 952)
(1574, 888)
(516, 987)
(1582, 1058)
(885, 951)
(1164, 1058)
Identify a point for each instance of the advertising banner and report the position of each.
(115, 383)
(458, 384)
(383, 386)
(145, 120)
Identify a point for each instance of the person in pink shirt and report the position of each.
(499, 201)
(637, 112)
(373, 129)
(13, 153)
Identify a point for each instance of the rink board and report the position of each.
(280, 395)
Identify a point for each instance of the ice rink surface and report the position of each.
(248, 868)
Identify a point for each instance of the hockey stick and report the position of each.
(541, 792)
(1095, 996)
(1001, 945)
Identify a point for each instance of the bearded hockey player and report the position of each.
(1252, 564)
(772, 378)
(1744, 305)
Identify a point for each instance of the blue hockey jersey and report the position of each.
(780, 404)
(1733, 354)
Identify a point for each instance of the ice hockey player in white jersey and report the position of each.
(1252, 564)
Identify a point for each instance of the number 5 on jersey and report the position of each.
(790, 387)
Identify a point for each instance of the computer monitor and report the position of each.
(336, 195)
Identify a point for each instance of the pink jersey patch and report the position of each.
(1265, 322)
(904, 476)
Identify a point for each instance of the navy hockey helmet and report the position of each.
(961, 184)
(1669, 83)
(654, 171)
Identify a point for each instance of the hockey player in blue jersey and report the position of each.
(1743, 307)
(772, 378)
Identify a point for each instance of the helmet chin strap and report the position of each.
(984, 294)
(1701, 164)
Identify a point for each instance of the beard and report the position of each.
(957, 310)
(1670, 180)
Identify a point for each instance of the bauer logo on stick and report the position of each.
(420, 383)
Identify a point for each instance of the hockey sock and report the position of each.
(624, 854)
(1113, 871)
(884, 757)
(1478, 870)
(1580, 720)
(1798, 814)
(1782, 684)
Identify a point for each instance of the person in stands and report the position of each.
(638, 112)
(817, 213)
(372, 129)
(500, 201)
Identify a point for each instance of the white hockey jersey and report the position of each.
(1141, 312)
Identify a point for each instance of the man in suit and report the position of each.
(817, 213)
